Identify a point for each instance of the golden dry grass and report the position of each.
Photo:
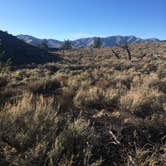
(92, 109)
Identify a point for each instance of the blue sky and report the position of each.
(72, 19)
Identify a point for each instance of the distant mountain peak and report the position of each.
(87, 42)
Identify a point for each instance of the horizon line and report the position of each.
(81, 37)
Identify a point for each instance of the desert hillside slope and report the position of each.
(22, 53)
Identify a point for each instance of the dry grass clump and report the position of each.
(96, 98)
(89, 98)
(44, 86)
(142, 102)
(34, 134)
(9, 95)
(124, 79)
(145, 157)
(162, 71)
(3, 81)
(154, 82)
(75, 144)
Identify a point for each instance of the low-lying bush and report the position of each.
(44, 87)
(3, 81)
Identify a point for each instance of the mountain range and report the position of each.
(87, 42)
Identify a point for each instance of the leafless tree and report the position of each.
(116, 53)
(126, 47)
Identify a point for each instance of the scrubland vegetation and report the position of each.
(93, 108)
